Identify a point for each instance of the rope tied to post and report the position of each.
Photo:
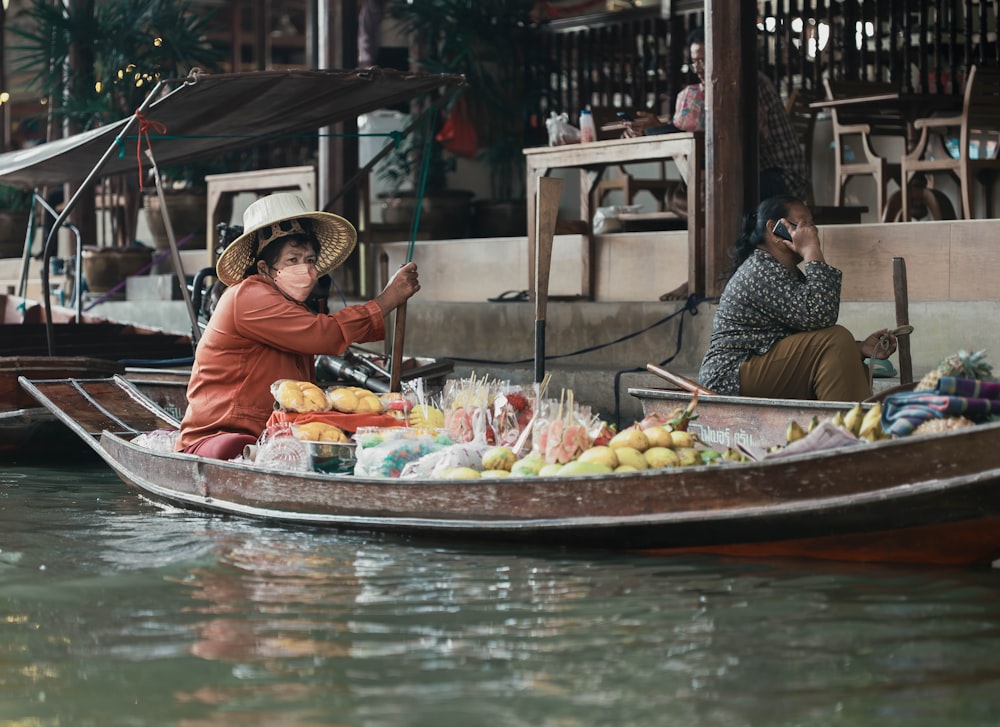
(144, 126)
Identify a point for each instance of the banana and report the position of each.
(423, 415)
(852, 419)
(838, 420)
(813, 423)
(871, 425)
(734, 455)
(794, 432)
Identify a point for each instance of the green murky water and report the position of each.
(117, 612)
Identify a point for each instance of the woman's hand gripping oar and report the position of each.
(393, 298)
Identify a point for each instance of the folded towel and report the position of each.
(975, 400)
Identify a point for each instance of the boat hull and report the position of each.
(786, 510)
(927, 499)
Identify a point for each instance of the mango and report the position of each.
(602, 454)
(579, 467)
(632, 437)
(630, 456)
(659, 457)
(499, 458)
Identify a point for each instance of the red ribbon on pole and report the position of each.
(144, 126)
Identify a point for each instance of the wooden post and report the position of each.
(730, 129)
(549, 190)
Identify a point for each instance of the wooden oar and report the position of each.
(396, 362)
(678, 380)
(902, 319)
(547, 210)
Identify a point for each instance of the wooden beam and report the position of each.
(731, 130)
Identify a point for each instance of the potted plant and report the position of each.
(485, 42)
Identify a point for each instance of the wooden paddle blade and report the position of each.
(396, 362)
(677, 380)
(901, 295)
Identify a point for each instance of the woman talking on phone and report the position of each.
(775, 332)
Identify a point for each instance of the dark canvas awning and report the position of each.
(218, 113)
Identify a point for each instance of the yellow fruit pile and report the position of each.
(319, 432)
(424, 416)
(354, 400)
(856, 421)
(299, 396)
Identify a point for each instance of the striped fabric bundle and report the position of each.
(970, 398)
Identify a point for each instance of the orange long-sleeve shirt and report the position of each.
(255, 337)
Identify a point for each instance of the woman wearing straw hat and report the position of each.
(262, 331)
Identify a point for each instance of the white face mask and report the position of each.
(296, 281)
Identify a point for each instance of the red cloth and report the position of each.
(255, 337)
(348, 422)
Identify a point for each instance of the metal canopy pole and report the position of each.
(175, 253)
(84, 186)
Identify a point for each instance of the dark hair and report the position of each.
(272, 252)
(697, 35)
(754, 225)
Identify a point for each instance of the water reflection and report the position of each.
(114, 610)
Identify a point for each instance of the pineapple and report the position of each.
(964, 365)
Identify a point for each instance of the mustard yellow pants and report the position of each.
(823, 365)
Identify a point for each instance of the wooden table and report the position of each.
(686, 149)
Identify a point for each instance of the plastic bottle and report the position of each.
(587, 130)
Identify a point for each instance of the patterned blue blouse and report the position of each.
(763, 303)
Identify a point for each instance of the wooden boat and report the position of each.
(731, 421)
(927, 499)
(92, 348)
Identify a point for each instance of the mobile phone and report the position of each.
(781, 231)
(624, 116)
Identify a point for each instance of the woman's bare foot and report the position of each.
(678, 293)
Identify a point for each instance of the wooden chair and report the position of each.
(978, 129)
(617, 179)
(853, 131)
(620, 180)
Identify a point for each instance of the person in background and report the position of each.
(263, 331)
(783, 166)
(774, 333)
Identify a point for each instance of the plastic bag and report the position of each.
(386, 452)
(561, 132)
(435, 464)
(606, 218)
(299, 396)
(159, 440)
(458, 135)
(562, 430)
(279, 448)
